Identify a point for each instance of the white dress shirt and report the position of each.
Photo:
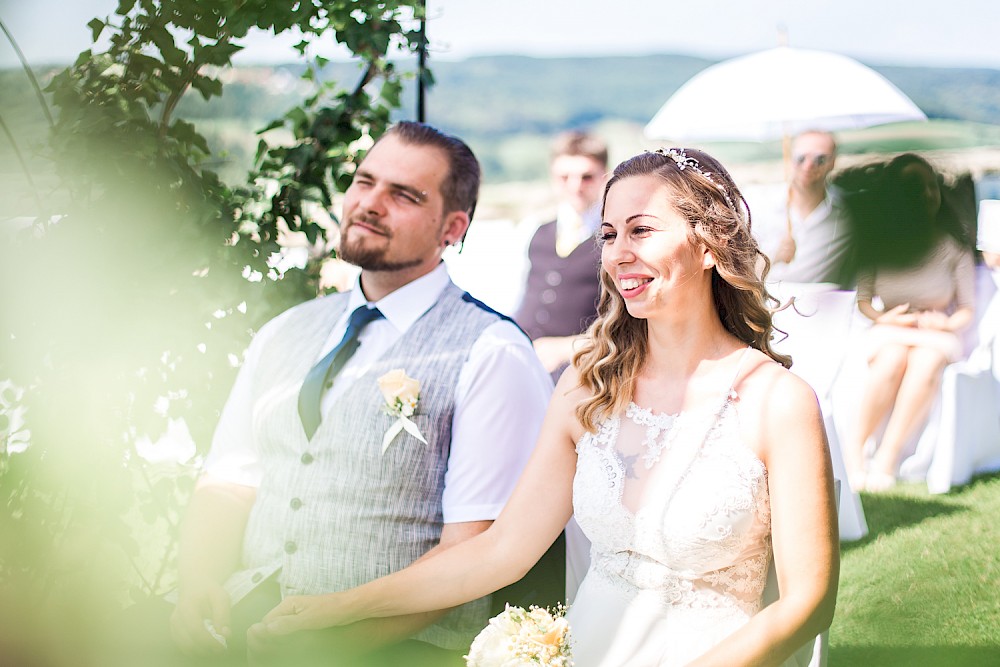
(573, 228)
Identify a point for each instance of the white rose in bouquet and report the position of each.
(519, 638)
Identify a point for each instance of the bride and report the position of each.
(687, 452)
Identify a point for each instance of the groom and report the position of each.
(304, 492)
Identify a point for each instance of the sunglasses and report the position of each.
(818, 159)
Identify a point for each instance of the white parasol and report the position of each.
(779, 93)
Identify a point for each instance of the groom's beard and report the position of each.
(366, 255)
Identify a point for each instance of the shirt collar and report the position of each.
(821, 212)
(568, 219)
(405, 305)
(823, 209)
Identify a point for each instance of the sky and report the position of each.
(945, 33)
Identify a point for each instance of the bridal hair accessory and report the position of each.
(685, 161)
(401, 394)
(516, 638)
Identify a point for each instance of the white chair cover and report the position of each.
(577, 558)
(962, 435)
(819, 324)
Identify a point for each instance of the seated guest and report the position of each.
(560, 293)
(915, 259)
(806, 234)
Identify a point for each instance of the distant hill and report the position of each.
(500, 95)
(507, 107)
(957, 94)
(515, 94)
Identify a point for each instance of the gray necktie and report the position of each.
(321, 375)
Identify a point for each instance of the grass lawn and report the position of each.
(924, 587)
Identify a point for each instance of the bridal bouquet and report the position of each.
(519, 638)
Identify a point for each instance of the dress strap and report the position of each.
(731, 391)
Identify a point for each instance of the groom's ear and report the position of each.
(454, 229)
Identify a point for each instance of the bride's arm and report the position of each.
(803, 526)
(536, 513)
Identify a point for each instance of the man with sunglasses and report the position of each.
(808, 236)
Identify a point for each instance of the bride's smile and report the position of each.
(649, 249)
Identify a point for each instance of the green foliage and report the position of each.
(130, 297)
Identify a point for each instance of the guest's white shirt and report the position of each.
(821, 237)
(500, 401)
(573, 228)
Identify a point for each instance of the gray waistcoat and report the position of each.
(333, 510)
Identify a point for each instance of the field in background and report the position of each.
(509, 107)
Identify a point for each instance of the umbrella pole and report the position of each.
(786, 161)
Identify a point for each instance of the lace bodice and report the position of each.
(676, 507)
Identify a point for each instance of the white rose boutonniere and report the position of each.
(401, 394)
(523, 638)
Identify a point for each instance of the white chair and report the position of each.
(820, 327)
(962, 434)
(577, 558)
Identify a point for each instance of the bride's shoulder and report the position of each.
(567, 396)
(775, 392)
(760, 369)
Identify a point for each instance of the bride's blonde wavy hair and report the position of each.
(704, 193)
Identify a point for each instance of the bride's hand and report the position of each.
(300, 612)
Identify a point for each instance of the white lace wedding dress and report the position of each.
(677, 511)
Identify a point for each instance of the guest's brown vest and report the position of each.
(560, 297)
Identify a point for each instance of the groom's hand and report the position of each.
(199, 624)
(302, 624)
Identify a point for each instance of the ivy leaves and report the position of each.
(133, 310)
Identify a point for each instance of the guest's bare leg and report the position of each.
(924, 368)
(885, 374)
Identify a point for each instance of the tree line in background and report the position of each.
(507, 107)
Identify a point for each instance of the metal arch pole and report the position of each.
(421, 61)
